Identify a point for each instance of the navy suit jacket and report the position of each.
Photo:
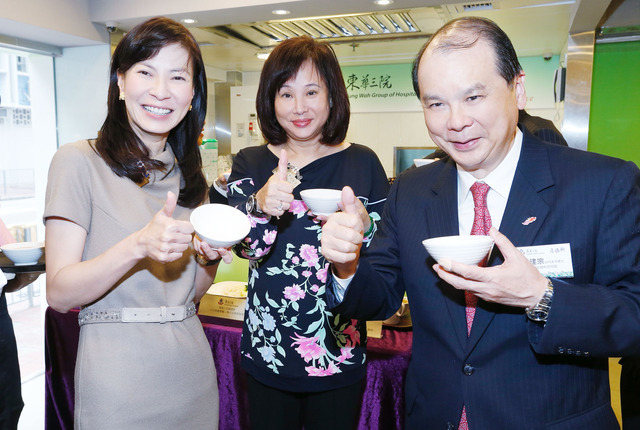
(541, 128)
(512, 373)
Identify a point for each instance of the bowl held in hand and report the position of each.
(321, 201)
(219, 225)
(464, 249)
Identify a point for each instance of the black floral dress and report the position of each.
(290, 340)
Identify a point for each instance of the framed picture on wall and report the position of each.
(403, 156)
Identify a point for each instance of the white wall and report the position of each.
(381, 131)
(82, 81)
(55, 22)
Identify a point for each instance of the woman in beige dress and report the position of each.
(118, 242)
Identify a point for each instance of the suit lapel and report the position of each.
(524, 215)
(442, 219)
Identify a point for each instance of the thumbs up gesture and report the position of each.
(277, 194)
(342, 234)
(165, 239)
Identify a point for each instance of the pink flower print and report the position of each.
(294, 293)
(306, 273)
(353, 334)
(298, 207)
(315, 288)
(333, 368)
(254, 245)
(260, 252)
(295, 260)
(309, 253)
(345, 353)
(322, 274)
(252, 221)
(308, 347)
(269, 236)
(315, 371)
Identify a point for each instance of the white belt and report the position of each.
(160, 315)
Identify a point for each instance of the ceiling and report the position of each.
(536, 27)
(225, 28)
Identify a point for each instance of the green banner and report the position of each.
(381, 88)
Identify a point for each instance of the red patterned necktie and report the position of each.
(481, 226)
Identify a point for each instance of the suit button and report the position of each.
(560, 350)
(468, 369)
(451, 426)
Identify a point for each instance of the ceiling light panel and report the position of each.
(347, 27)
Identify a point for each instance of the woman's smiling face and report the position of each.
(158, 93)
(302, 105)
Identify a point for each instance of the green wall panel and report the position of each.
(614, 120)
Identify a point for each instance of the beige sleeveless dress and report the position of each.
(133, 375)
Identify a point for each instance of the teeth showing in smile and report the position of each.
(157, 111)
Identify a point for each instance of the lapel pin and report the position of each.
(529, 220)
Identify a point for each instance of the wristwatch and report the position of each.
(540, 311)
(253, 208)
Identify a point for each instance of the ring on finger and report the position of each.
(279, 206)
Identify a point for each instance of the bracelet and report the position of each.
(201, 259)
(371, 227)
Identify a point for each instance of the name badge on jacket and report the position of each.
(553, 261)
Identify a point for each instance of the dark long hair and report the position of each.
(283, 64)
(117, 143)
(463, 33)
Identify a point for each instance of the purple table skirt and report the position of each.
(382, 402)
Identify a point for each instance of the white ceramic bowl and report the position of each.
(464, 249)
(321, 201)
(221, 226)
(23, 253)
(423, 161)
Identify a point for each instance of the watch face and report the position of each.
(251, 203)
(537, 315)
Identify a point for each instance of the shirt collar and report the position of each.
(499, 179)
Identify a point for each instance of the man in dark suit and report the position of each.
(522, 343)
(541, 128)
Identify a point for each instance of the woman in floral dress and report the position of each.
(305, 365)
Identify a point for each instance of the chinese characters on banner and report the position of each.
(381, 88)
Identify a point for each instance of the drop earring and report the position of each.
(121, 96)
(330, 103)
(189, 108)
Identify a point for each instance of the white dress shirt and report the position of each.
(500, 180)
